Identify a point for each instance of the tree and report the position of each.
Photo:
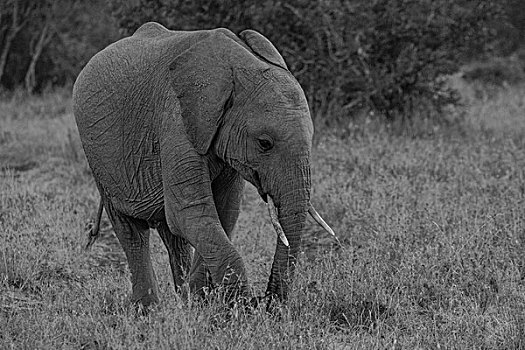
(47, 42)
(47, 17)
(14, 15)
(516, 13)
(41, 38)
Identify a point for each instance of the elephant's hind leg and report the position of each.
(179, 251)
(133, 235)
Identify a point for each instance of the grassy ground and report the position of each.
(433, 232)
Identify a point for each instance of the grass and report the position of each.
(432, 256)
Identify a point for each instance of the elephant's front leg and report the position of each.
(190, 208)
(227, 193)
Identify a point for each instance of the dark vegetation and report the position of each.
(387, 57)
(46, 43)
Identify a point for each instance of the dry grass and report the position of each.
(433, 232)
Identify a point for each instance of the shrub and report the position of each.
(496, 71)
(386, 56)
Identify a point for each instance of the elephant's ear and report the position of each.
(203, 81)
(262, 47)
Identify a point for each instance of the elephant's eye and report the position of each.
(265, 144)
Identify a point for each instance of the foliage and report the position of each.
(382, 55)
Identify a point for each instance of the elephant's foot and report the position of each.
(144, 299)
(231, 295)
(236, 293)
(274, 304)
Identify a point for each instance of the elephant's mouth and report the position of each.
(254, 178)
(257, 183)
(274, 213)
(251, 175)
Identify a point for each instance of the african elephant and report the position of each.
(172, 123)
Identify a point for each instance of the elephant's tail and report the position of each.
(93, 230)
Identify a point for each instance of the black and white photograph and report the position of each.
(262, 174)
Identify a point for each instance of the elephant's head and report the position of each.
(240, 102)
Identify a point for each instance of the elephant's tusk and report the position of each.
(315, 215)
(275, 221)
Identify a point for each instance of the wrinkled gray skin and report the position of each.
(172, 123)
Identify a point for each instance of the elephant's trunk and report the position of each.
(292, 208)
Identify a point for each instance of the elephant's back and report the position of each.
(117, 101)
(154, 30)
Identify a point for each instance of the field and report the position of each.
(432, 230)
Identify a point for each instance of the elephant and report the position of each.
(172, 124)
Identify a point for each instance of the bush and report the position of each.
(496, 71)
(386, 56)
